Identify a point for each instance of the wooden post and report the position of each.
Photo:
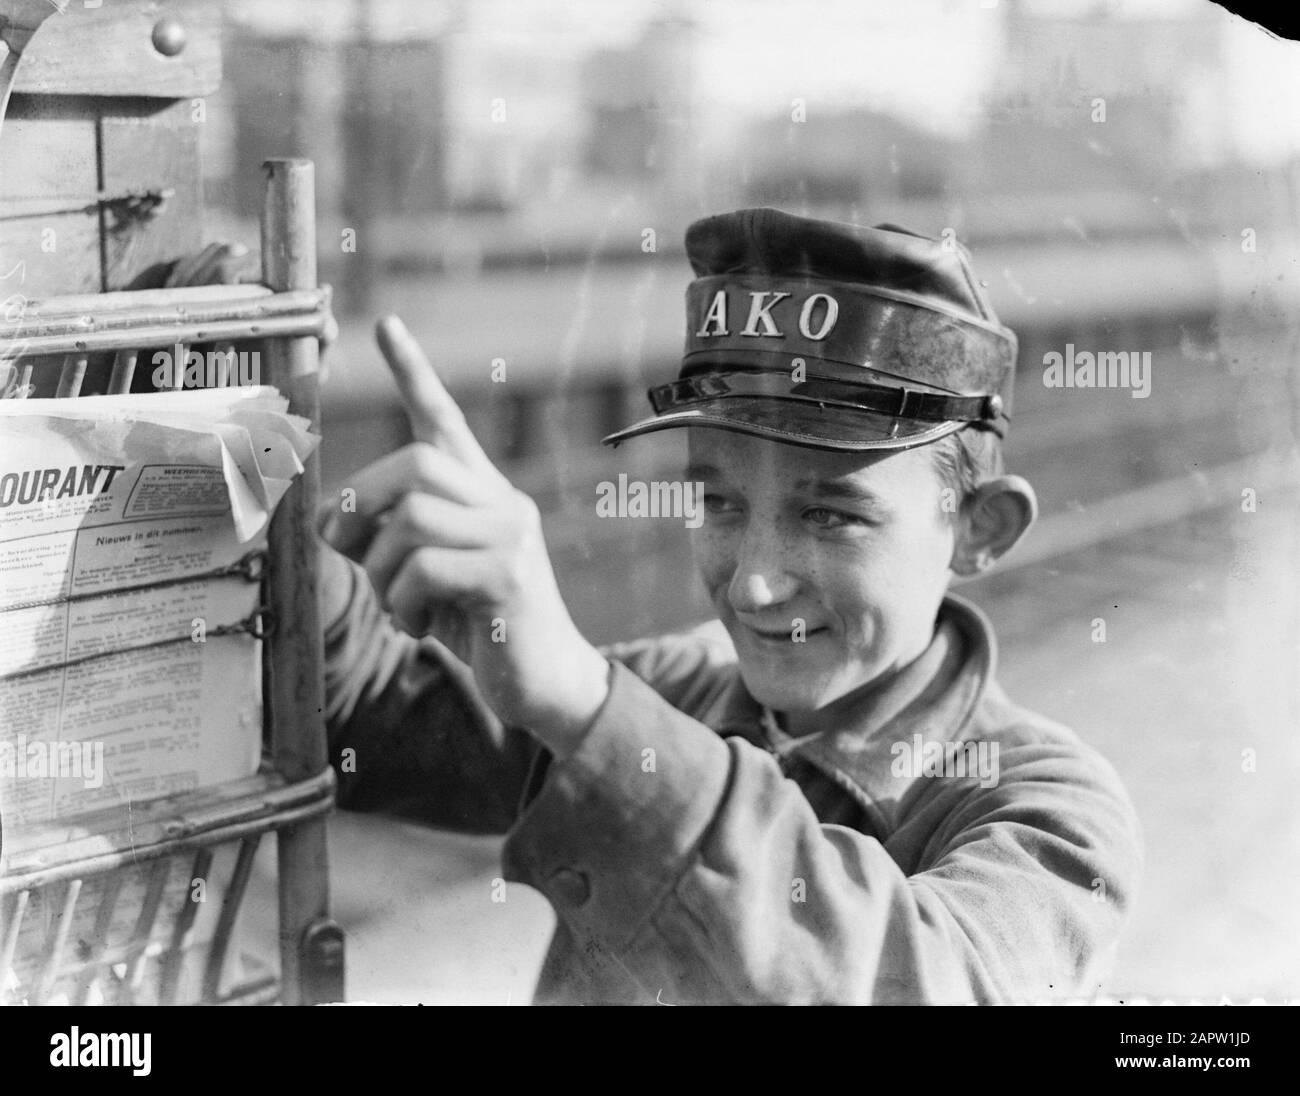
(295, 696)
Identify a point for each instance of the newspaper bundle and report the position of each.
(131, 531)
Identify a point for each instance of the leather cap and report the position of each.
(833, 336)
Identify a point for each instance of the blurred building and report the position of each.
(643, 103)
(501, 163)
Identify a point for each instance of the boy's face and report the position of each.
(854, 545)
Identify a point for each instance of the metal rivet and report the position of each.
(168, 36)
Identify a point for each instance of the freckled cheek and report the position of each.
(862, 588)
(714, 560)
(854, 607)
(929, 552)
(904, 586)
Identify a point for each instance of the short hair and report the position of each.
(965, 459)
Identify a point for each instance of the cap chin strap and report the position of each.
(879, 399)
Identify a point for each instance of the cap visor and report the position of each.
(797, 423)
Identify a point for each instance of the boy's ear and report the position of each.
(997, 515)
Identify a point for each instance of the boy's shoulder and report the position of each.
(992, 714)
(998, 716)
(1046, 766)
(1027, 737)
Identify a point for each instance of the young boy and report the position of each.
(838, 805)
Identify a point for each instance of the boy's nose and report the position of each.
(752, 592)
(761, 578)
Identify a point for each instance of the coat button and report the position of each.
(569, 887)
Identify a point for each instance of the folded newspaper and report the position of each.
(131, 536)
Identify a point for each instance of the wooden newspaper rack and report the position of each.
(137, 886)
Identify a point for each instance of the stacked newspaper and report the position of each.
(131, 533)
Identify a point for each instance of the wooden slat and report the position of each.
(103, 923)
(12, 924)
(48, 151)
(73, 266)
(226, 920)
(117, 836)
(137, 949)
(196, 300)
(225, 360)
(55, 944)
(123, 370)
(310, 325)
(71, 376)
(109, 50)
(49, 222)
(178, 366)
(143, 149)
(175, 958)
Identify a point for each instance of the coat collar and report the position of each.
(934, 696)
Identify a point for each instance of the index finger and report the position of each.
(435, 416)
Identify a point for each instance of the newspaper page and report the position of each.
(131, 529)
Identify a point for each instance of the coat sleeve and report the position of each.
(408, 731)
(691, 863)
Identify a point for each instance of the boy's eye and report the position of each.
(718, 504)
(825, 518)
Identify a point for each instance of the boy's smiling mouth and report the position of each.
(785, 636)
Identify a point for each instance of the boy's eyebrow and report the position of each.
(824, 488)
(838, 489)
(697, 470)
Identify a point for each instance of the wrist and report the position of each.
(581, 687)
(336, 587)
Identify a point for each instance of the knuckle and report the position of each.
(425, 458)
(525, 507)
(410, 512)
(383, 587)
(402, 510)
(424, 565)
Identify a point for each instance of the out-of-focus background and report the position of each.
(515, 179)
